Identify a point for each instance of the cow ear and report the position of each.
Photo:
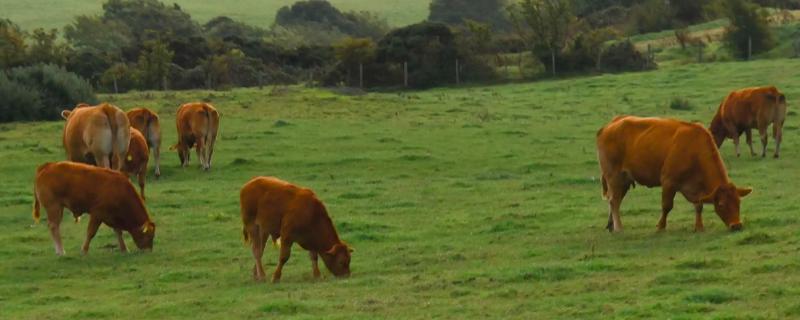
(65, 114)
(743, 191)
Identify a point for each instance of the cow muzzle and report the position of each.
(736, 227)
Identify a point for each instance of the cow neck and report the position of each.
(138, 216)
(714, 173)
(327, 236)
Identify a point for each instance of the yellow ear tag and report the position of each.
(130, 158)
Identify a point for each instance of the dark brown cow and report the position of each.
(137, 158)
(96, 135)
(146, 121)
(289, 214)
(750, 108)
(676, 155)
(197, 124)
(107, 195)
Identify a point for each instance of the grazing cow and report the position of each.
(107, 195)
(272, 207)
(676, 155)
(136, 160)
(97, 135)
(197, 127)
(146, 121)
(750, 108)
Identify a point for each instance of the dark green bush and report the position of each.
(623, 56)
(17, 102)
(680, 103)
(54, 88)
(748, 22)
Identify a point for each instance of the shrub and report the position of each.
(680, 103)
(748, 22)
(17, 102)
(622, 56)
(650, 16)
(53, 87)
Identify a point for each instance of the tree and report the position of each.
(91, 33)
(45, 48)
(749, 29)
(319, 15)
(154, 65)
(545, 24)
(12, 45)
(456, 12)
(353, 54)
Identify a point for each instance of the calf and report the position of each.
(108, 196)
(96, 135)
(676, 155)
(146, 121)
(272, 207)
(750, 108)
(137, 158)
(197, 125)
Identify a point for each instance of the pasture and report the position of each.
(56, 14)
(473, 202)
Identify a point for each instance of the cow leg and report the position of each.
(314, 264)
(157, 157)
(54, 215)
(736, 144)
(762, 131)
(200, 148)
(698, 217)
(667, 198)
(777, 134)
(618, 187)
(749, 135)
(102, 161)
(141, 177)
(286, 251)
(122, 247)
(257, 245)
(91, 230)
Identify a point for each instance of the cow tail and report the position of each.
(36, 210)
(605, 187)
(112, 123)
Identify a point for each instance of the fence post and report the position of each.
(749, 48)
(699, 54)
(405, 74)
(458, 76)
(649, 55)
(361, 75)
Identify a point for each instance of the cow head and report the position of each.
(144, 236)
(726, 200)
(337, 259)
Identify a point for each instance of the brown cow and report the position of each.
(96, 135)
(137, 158)
(107, 195)
(197, 127)
(146, 121)
(676, 155)
(272, 207)
(750, 108)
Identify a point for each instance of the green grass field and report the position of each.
(32, 14)
(476, 202)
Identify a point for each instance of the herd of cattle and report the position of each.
(104, 145)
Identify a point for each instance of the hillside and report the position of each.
(477, 202)
(55, 14)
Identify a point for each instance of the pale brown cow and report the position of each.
(197, 125)
(146, 121)
(137, 158)
(106, 195)
(676, 155)
(289, 214)
(97, 135)
(750, 108)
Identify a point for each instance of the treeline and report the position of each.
(149, 45)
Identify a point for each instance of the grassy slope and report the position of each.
(461, 203)
(55, 14)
